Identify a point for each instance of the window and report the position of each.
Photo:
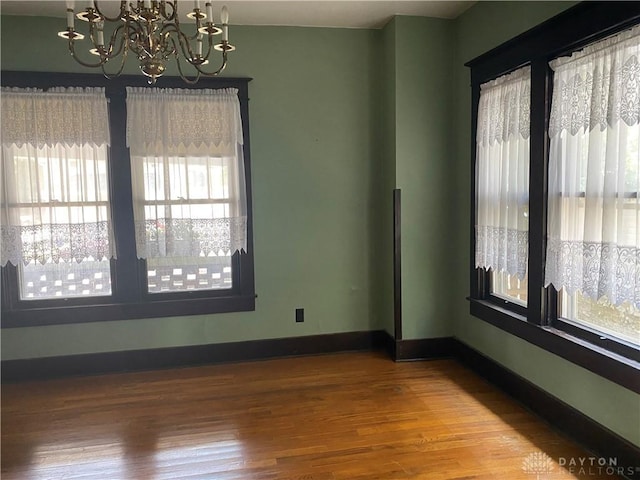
(56, 223)
(502, 183)
(579, 294)
(152, 220)
(189, 198)
(593, 246)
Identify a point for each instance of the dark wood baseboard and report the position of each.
(172, 357)
(562, 417)
(419, 349)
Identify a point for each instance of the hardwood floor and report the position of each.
(349, 416)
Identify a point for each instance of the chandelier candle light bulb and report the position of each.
(70, 17)
(209, 8)
(153, 33)
(224, 18)
(100, 41)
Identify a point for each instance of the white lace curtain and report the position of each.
(54, 181)
(502, 174)
(593, 241)
(187, 167)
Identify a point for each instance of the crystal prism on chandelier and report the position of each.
(152, 31)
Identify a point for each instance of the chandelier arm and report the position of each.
(72, 50)
(197, 67)
(218, 71)
(138, 45)
(184, 77)
(110, 19)
(163, 10)
(177, 55)
(166, 36)
(132, 32)
(209, 46)
(175, 28)
(117, 74)
(131, 20)
(110, 53)
(197, 31)
(176, 17)
(182, 39)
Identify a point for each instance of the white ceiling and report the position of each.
(318, 13)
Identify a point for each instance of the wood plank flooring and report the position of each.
(355, 416)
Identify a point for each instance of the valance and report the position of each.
(504, 108)
(67, 116)
(597, 86)
(183, 121)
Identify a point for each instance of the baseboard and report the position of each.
(594, 437)
(171, 357)
(419, 349)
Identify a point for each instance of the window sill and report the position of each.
(616, 368)
(30, 317)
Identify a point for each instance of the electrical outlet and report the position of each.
(299, 315)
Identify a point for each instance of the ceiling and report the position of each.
(322, 13)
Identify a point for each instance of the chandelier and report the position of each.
(151, 30)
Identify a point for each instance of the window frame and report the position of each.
(538, 323)
(130, 299)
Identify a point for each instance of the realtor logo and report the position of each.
(537, 463)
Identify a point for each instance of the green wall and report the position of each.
(330, 141)
(313, 138)
(339, 118)
(423, 93)
(384, 166)
(484, 26)
(416, 103)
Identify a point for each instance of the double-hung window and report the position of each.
(56, 216)
(502, 183)
(122, 201)
(556, 209)
(189, 199)
(593, 246)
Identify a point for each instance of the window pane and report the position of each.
(186, 274)
(89, 278)
(188, 220)
(57, 199)
(622, 321)
(509, 287)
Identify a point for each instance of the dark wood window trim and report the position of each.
(538, 323)
(130, 299)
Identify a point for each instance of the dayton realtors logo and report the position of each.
(539, 463)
